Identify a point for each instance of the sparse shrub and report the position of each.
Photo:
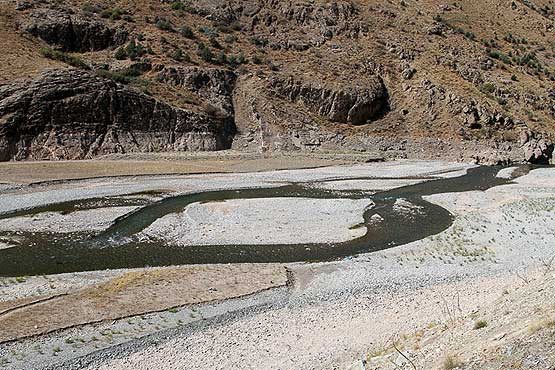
(112, 13)
(470, 35)
(120, 54)
(72, 60)
(488, 88)
(222, 58)
(133, 50)
(236, 26)
(180, 56)
(91, 8)
(205, 53)
(272, 66)
(187, 32)
(480, 324)
(164, 24)
(178, 5)
(214, 42)
(256, 59)
(230, 39)
(210, 32)
(125, 76)
(451, 362)
(259, 41)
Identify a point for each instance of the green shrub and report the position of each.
(120, 54)
(214, 42)
(488, 88)
(187, 32)
(210, 32)
(180, 56)
(133, 50)
(230, 39)
(178, 5)
(164, 24)
(480, 324)
(205, 53)
(64, 57)
(259, 41)
(222, 58)
(495, 54)
(124, 77)
(91, 8)
(112, 13)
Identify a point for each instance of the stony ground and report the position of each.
(477, 296)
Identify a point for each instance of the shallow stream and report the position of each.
(119, 246)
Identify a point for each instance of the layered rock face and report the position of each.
(348, 104)
(72, 114)
(214, 85)
(71, 32)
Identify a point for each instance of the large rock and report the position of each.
(537, 150)
(70, 32)
(72, 114)
(346, 104)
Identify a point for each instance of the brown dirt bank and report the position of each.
(136, 293)
(153, 164)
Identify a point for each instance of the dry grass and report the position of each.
(451, 362)
(20, 56)
(177, 163)
(139, 292)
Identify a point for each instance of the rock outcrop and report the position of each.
(537, 150)
(314, 22)
(70, 32)
(73, 114)
(214, 85)
(346, 104)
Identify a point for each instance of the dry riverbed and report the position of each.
(479, 295)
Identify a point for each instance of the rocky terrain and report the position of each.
(417, 79)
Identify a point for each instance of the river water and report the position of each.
(119, 246)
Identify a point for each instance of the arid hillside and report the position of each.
(468, 80)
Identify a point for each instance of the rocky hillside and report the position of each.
(408, 78)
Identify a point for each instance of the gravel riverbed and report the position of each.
(333, 314)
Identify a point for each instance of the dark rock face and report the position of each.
(537, 150)
(72, 114)
(214, 85)
(73, 32)
(354, 105)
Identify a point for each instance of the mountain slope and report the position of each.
(421, 78)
